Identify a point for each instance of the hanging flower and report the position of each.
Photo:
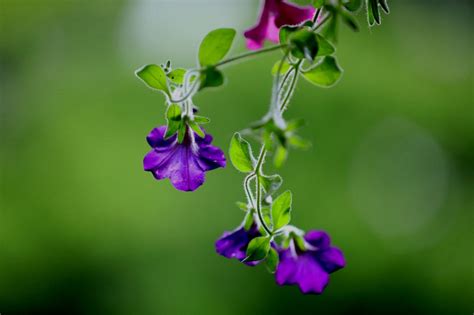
(234, 244)
(274, 14)
(183, 163)
(309, 269)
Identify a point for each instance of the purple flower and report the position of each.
(234, 244)
(309, 269)
(274, 14)
(183, 163)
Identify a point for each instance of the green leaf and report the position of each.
(284, 67)
(154, 77)
(241, 154)
(353, 5)
(285, 32)
(194, 126)
(272, 260)
(177, 75)
(299, 241)
(215, 46)
(211, 77)
(318, 3)
(295, 124)
(281, 153)
(330, 30)
(325, 47)
(248, 221)
(299, 142)
(281, 210)
(325, 74)
(304, 44)
(373, 13)
(242, 206)
(349, 20)
(173, 116)
(270, 183)
(182, 132)
(258, 248)
(201, 119)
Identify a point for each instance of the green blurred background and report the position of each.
(84, 230)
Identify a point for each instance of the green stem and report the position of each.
(258, 171)
(291, 88)
(250, 54)
(248, 191)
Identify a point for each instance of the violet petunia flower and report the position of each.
(275, 14)
(234, 244)
(309, 269)
(183, 163)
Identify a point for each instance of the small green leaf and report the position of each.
(182, 132)
(318, 3)
(325, 74)
(330, 30)
(270, 183)
(272, 260)
(295, 124)
(304, 44)
(177, 75)
(194, 126)
(248, 221)
(154, 77)
(349, 20)
(284, 67)
(173, 116)
(201, 119)
(285, 32)
(258, 248)
(281, 210)
(281, 153)
(299, 241)
(325, 47)
(242, 206)
(373, 13)
(211, 77)
(241, 154)
(215, 46)
(299, 142)
(353, 5)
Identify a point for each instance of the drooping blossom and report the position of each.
(309, 269)
(183, 163)
(234, 244)
(274, 14)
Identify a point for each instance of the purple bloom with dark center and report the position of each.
(275, 14)
(234, 244)
(309, 269)
(183, 163)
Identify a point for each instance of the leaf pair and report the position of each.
(373, 10)
(214, 47)
(305, 43)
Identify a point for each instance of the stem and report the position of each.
(291, 88)
(250, 54)
(248, 191)
(258, 171)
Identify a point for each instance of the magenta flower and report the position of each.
(275, 14)
(234, 244)
(309, 269)
(183, 163)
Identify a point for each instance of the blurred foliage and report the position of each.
(84, 230)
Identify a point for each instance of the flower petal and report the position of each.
(211, 157)
(257, 34)
(185, 172)
(291, 14)
(303, 270)
(331, 259)
(234, 244)
(318, 239)
(156, 137)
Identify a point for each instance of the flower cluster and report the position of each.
(182, 150)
